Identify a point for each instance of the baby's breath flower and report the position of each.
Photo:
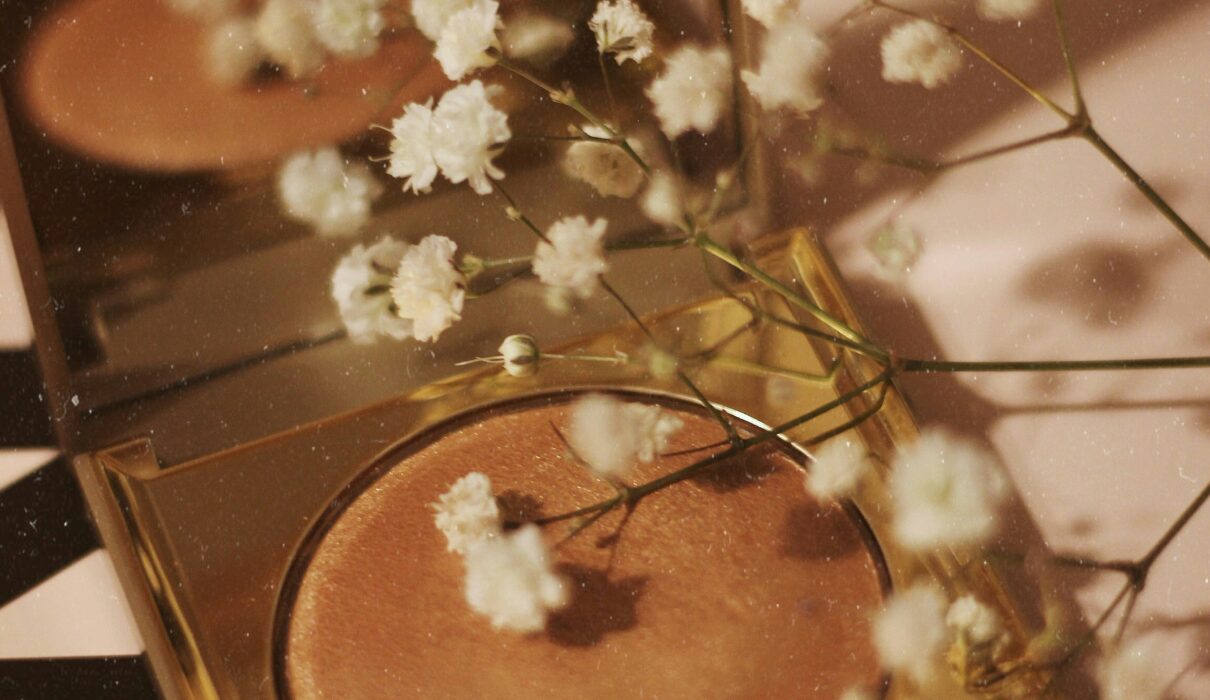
(895, 247)
(919, 51)
(977, 623)
(361, 289)
(412, 148)
(427, 288)
(611, 435)
(468, 132)
(1006, 10)
(468, 34)
(349, 27)
(791, 59)
(623, 30)
(536, 38)
(573, 256)
(663, 201)
(326, 191)
(285, 30)
(837, 469)
(232, 51)
(946, 492)
(909, 632)
(1133, 671)
(520, 355)
(431, 16)
(509, 579)
(467, 513)
(604, 166)
(693, 90)
(203, 9)
(767, 12)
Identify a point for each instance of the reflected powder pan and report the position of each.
(732, 584)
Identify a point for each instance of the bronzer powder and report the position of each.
(733, 584)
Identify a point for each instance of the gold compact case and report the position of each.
(263, 483)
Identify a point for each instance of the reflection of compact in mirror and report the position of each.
(128, 82)
(735, 583)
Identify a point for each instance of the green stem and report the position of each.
(607, 359)
(569, 99)
(792, 296)
(643, 245)
(680, 374)
(633, 495)
(1090, 135)
(854, 421)
(1068, 58)
(747, 443)
(514, 212)
(768, 370)
(930, 366)
(933, 166)
(1175, 529)
(983, 55)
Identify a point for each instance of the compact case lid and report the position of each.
(172, 298)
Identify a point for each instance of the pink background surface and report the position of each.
(1042, 254)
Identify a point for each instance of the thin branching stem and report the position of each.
(935, 366)
(983, 55)
(792, 296)
(1068, 57)
(680, 374)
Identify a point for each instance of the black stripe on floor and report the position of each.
(44, 526)
(23, 418)
(100, 678)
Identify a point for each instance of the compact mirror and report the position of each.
(189, 297)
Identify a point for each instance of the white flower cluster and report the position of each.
(361, 289)
(427, 289)
(286, 32)
(509, 579)
(293, 34)
(1007, 10)
(399, 290)
(467, 513)
(947, 492)
(910, 632)
(349, 27)
(895, 248)
(622, 29)
(431, 16)
(572, 257)
(323, 189)
(791, 60)
(837, 469)
(232, 51)
(1133, 671)
(663, 201)
(768, 12)
(467, 38)
(536, 38)
(610, 435)
(459, 139)
(604, 166)
(919, 51)
(508, 576)
(693, 90)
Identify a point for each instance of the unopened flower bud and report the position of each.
(520, 353)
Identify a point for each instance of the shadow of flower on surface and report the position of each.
(599, 606)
